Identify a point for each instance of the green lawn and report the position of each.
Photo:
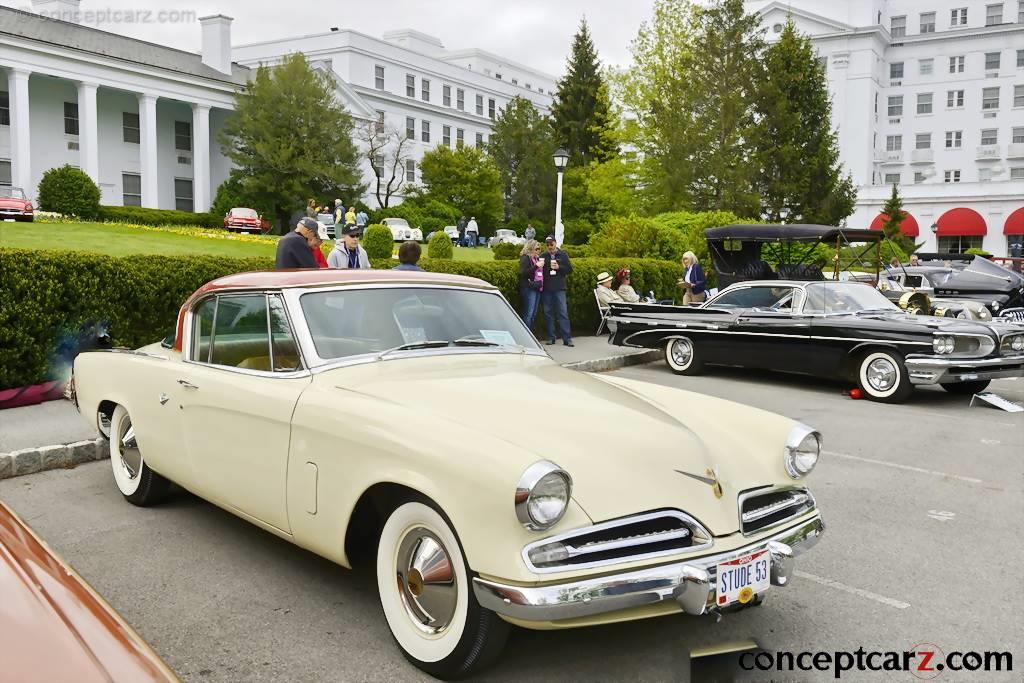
(122, 240)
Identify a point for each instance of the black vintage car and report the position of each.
(966, 276)
(829, 329)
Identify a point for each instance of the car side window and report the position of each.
(202, 329)
(286, 351)
(749, 297)
(240, 333)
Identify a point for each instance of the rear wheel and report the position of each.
(138, 484)
(967, 388)
(882, 377)
(682, 357)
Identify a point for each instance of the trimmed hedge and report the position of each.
(70, 191)
(49, 296)
(440, 246)
(158, 217)
(507, 251)
(377, 240)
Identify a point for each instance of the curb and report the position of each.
(43, 458)
(615, 362)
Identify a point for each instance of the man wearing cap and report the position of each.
(293, 250)
(472, 232)
(556, 268)
(347, 252)
(607, 296)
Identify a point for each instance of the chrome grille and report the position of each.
(765, 508)
(1012, 314)
(622, 540)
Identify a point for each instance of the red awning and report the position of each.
(961, 223)
(1015, 223)
(908, 227)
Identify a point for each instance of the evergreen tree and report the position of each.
(521, 146)
(795, 147)
(894, 217)
(581, 113)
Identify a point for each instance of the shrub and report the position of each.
(507, 251)
(978, 252)
(440, 246)
(378, 242)
(576, 250)
(138, 215)
(69, 191)
(231, 194)
(637, 237)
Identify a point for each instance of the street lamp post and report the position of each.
(935, 231)
(561, 158)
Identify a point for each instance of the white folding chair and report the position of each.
(602, 311)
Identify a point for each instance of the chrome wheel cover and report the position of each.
(681, 351)
(128, 449)
(426, 581)
(881, 374)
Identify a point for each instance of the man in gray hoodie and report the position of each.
(347, 252)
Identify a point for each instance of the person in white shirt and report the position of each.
(472, 232)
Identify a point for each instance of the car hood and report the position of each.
(9, 203)
(625, 452)
(923, 323)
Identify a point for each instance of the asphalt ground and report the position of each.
(923, 503)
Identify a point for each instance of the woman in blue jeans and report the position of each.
(531, 280)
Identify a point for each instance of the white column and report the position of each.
(88, 130)
(148, 152)
(21, 159)
(201, 157)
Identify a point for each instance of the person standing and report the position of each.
(339, 213)
(694, 281)
(472, 232)
(461, 226)
(408, 256)
(557, 267)
(531, 280)
(350, 217)
(361, 219)
(293, 250)
(311, 209)
(347, 252)
(530, 233)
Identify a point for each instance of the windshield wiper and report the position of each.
(480, 341)
(426, 344)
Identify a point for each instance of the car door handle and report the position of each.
(187, 384)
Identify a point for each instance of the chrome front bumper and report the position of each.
(690, 583)
(933, 370)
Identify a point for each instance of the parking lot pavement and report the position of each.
(53, 422)
(923, 504)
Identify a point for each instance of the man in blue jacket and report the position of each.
(556, 268)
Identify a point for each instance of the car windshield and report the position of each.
(845, 297)
(11, 193)
(353, 322)
(505, 233)
(938, 278)
(398, 223)
(243, 213)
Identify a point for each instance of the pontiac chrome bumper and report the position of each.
(933, 370)
(691, 583)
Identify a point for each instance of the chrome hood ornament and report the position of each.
(710, 479)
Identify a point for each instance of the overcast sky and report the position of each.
(537, 33)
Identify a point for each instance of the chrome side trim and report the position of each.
(754, 493)
(625, 342)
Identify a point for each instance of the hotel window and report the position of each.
(425, 90)
(490, 108)
(378, 77)
(1017, 173)
(924, 103)
(992, 60)
(1018, 96)
(951, 176)
(410, 171)
(958, 17)
(954, 99)
(70, 118)
(425, 131)
(926, 67)
(989, 98)
(1018, 136)
(498, 76)
(410, 128)
(893, 143)
(446, 95)
(895, 71)
(1020, 56)
(923, 141)
(1020, 11)
(876, 103)
(892, 178)
(379, 127)
(460, 99)
(993, 14)
(958, 245)
(5, 108)
(956, 65)
(479, 105)
(954, 139)
(895, 105)
(410, 85)
(183, 198)
(130, 130)
(131, 189)
(918, 177)
(446, 136)
(898, 26)
(928, 22)
(5, 173)
(460, 136)
(183, 136)
(479, 140)
(990, 136)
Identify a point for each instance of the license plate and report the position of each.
(741, 579)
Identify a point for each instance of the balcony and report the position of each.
(988, 152)
(1015, 150)
(890, 158)
(922, 156)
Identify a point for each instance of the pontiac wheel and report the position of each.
(138, 484)
(681, 356)
(883, 377)
(427, 598)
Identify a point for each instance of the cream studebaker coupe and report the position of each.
(350, 412)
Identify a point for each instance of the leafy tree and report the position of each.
(290, 139)
(581, 113)
(521, 146)
(795, 146)
(467, 179)
(387, 149)
(894, 217)
(232, 193)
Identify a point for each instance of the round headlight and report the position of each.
(950, 344)
(1017, 343)
(542, 495)
(802, 450)
(938, 345)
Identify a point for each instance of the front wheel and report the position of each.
(682, 357)
(967, 388)
(138, 484)
(425, 592)
(882, 377)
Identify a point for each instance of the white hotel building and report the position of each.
(143, 119)
(927, 94)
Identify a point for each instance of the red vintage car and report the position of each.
(245, 220)
(55, 627)
(14, 204)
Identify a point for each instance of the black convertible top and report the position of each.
(796, 233)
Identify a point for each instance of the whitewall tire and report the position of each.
(427, 598)
(682, 357)
(135, 480)
(882, 377)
